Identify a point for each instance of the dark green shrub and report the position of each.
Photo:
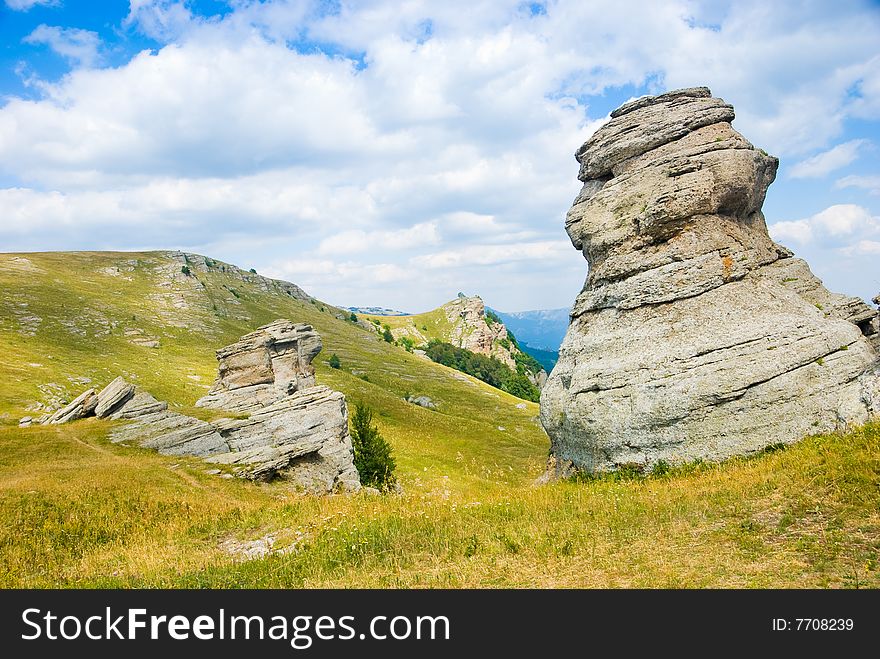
(387, 335)
(520, 386)
(488, 369)
(334, 361)
(185, 270)
(353, 317)
(372, 454)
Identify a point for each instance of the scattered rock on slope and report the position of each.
(422, 401)
(695, 336)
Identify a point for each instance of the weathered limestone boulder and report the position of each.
(281, 423)
(294, 429)
(81, 406)
(303, 437)
(112, 396)
(264, 366)
(695, 335)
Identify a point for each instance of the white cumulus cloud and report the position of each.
(826, 162)
(839, 225)
(869, 183)
(25, 5)
(78, 46)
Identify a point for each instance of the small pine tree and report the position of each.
(353, 317)
(185, 270)
(387, 335)
(252, 271)
(372, 454)
(334, 361)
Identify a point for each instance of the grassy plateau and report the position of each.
(78, 511)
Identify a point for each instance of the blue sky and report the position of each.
(395, 153)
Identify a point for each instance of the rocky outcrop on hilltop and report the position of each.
(281, 424)
(695, 336)
(467, 324)
(472, 331)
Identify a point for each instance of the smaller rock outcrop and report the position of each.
(281, 423)
(112, 396)
(81, 406)
(264, 366)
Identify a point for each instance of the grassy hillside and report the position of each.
(63, 319)
(76, 510)
(422, 327)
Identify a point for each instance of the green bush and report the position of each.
(353, 317)
(185, 270)
(488, 369)
(387, 335)
(334, 361)
(525, 363)
(520, 386)
(372, 454)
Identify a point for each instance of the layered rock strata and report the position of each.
(264, 366)
(281, 423)
(695, 336)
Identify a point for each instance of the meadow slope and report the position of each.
(76, 510)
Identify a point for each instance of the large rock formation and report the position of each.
(283, 424)
(295, 428)
(264, 366)
(695, 336)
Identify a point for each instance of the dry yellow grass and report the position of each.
(104, 515)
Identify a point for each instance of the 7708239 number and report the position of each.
(823, 624)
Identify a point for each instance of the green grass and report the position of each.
(434, 324)
(76, 510)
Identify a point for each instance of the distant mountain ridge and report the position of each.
(376, 311)
(543, 329)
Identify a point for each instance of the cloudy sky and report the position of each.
(395, 153)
